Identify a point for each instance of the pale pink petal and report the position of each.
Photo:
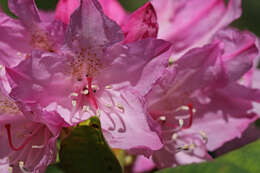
(4, 165)
(125, 122)
(251, 134)
(114, 10)
(212, 122)
(65, 8)
(193, 22)
(137, 59)
(91, 27)
(14, 41)
(141, 24)
(191, 72)
(26, 10)
(173, 154)
(143, 164)
(239, 52)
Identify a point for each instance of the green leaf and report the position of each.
(53, 169)
(5, 8)
(243, 160)
(85, 150)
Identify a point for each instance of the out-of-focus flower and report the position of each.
(193, 23)
(202, 101)
(96, 72)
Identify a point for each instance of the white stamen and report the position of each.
(74, 103)
(120, 107)
(74, 94)
(85, 108)
(184, 108)
(108, 105)
(185, 147)
(10, 169)
(192, 146)
(174, 136)
(171, 61)
(94, 87)
(38, 146)
(98, 113)
(85, 92)
(181, 122)
(21, 165)
(194, 110)
(162, 118)
(204, 136)
(108, 87)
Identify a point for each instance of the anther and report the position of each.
(174, 136)
(74, 103)
(37, 146)
(204, 136)
(85, 92)
(108, 105)
(108, 87)
(85, 108)
(120, 107)
(181, 122)
(74, 94)
(162, 118)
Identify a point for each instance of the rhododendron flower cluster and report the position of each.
(169, 81)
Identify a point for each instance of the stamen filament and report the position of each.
(91, 93)
(8, 128)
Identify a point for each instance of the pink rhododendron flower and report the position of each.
(96, 72)
(192, 23)
(201, 95)
(26, 145)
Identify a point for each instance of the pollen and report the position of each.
(7, 106)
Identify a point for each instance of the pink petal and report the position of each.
(239, 52)
(114, 10)
(26, 10)
(137, 59)
(91, 27)
(212, 123)
(141, 24)
(128, 129)
(194, 22)
(143, 164)
(14, 41)
(65, 8)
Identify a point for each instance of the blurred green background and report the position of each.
(250, 18)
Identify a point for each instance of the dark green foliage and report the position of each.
(244, 160)
(86, 151)
(5, 8)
